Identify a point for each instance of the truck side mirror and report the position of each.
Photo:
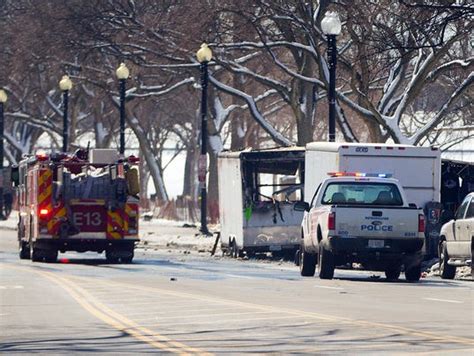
(301, 206)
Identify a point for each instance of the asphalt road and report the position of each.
(170, 302)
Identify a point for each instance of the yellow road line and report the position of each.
(369, 324)
(132, 326)
(96, 308)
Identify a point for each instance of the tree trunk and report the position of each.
(156, 171)
(189, 183)
(303, 102)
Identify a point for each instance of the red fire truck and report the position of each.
(87, 201)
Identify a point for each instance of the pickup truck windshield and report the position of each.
(362, 193)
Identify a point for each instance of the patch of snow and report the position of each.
(11, 223)
(160, 233)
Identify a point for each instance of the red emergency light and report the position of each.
(43, 212)
(41, 156)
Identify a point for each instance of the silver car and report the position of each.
(457, 240)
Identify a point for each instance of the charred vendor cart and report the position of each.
(257, 192)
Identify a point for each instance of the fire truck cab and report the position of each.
(87, 201)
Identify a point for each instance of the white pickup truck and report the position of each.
(354, 217)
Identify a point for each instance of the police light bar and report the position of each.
(359, 174)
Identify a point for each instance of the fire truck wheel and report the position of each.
(24, 250)
(36, 254)
(51, 256)
(127, 259)
(111, 256)
(307, 262)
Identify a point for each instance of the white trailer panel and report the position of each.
(417, 168)
(230, 199)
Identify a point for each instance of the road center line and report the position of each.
(238, 276)
(444, 300)
(327, 287)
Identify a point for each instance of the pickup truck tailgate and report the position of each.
(376, 222)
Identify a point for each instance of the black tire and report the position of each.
(234, 250)
(111, 257)
(24, 252)
(326, 263)
(413, 274)
(51, 256)
(36, 254)
(307, 263)
(446, 271)
(393, 272)
(129, 258)
(298, 257)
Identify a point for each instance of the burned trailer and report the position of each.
(257, 192)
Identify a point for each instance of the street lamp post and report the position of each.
(3, 100)
(65, 85)
(204, 55)
(331, 26)
(122, 73)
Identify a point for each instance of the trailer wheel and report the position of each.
(307, 263)
(234, 249)
(326, 263)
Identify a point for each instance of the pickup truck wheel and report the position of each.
(297, 257)
(445, 271)
(326, 263)
(393, 272)
(307, 263)
(413, 273)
